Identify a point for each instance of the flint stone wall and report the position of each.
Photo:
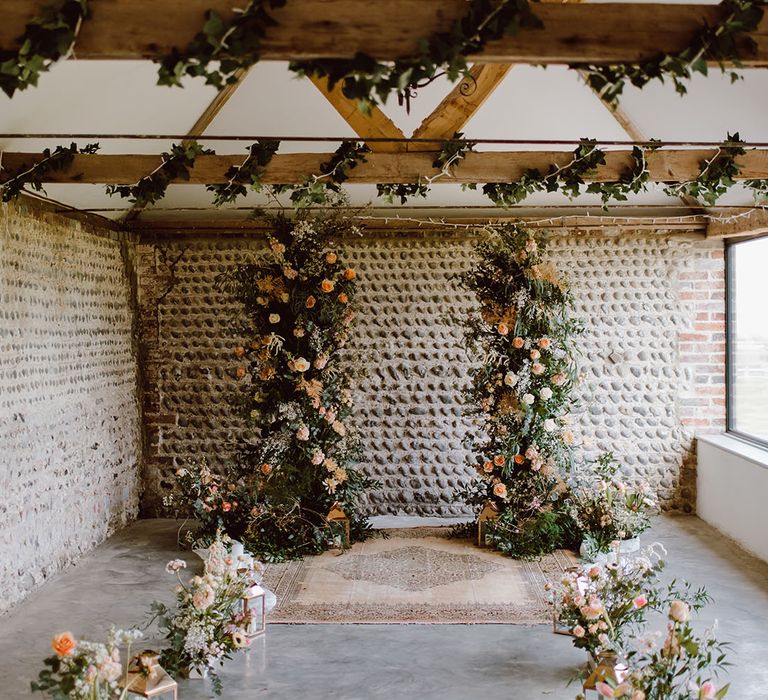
(69, 419)
(652, 364)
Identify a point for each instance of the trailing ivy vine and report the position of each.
(720, 43)
(247, 175)
(152, 187)
(49, 37)
(34, 175)
(316, 188)
(390, 192)
(221, 48)
(367, 80)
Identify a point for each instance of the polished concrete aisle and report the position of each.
(356, 662)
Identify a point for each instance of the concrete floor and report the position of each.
(357, 662)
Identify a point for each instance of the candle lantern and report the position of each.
(606, 668)
(146, 678)
(254, 603)
(488, 514)
(338, 524)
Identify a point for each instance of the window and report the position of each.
(747, 322)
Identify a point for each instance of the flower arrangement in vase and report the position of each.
(83, 670)
(521, 390)
(607, 510)
(207, 624)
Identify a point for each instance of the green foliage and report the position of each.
(716, 176)
(316, 188)
(48, 38)
(403, 192)
(367, 80)
(152, 188)
(452, 152)
(247, 175)
(222, 47)
(720, 43)
(521, 390)
(34, 175)
(296, 396)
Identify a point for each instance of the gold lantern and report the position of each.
(488, 514)
(146, 678)
(606, 669)
(254, 602)
(338, 520)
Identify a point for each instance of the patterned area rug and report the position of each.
(416, 575)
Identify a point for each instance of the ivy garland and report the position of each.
(367, 80)
(34, 175)
(389, 192)
(48, 38)
(719, 43)
(228, 46)
(152, 188)
(249, 174)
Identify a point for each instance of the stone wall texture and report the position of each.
(652, 362)
(69, 420)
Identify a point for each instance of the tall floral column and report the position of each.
(300, 453)
(521, 390)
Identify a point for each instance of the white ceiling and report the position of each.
(121, 97)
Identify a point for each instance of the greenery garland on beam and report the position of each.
(48, 38)
(229, 46)
(34, 175)
(719, 43)
(247, 175)
(175, 166)
(367, 80)
(521, 391)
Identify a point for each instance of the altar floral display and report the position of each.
(521, 391)
(83, 670)
(298, 458)
(605, 508)
(207, 624)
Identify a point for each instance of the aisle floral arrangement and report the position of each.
(521, 391)
(606, 509)
(208, 623)
(83, 670)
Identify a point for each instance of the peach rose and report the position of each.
(331, 258)
(535, 354)
(327, 286)
(226, 506)
(503, 329)
(679, 611)
(519, 459)
(63, 644)
(518, 343)
(311, 301)
(537, 368)
(349, 274)
(500, 491)
(239, 351)
(499, 460)
(240, 372)
(300, 364)
(488, 467)
(578, 631)
(266, 469)
(343, 298)
(544, 343)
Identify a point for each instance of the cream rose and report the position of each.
(546, 393)
(274, 318)
(528, 399)
(300, 364)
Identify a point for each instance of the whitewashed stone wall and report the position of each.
(641, 398)
(69, 422)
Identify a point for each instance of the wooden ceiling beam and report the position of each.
(737, 223)
(376, 124)
(589, 33)
(461, 104)
(666, 165)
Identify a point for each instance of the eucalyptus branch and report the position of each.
(48, 38)
(367, 80)
(231, 46)
(720, 43)
(247, 175)
(174, 166)
(34, 175)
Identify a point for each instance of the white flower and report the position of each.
(546, 393)
(302, 433)
(537, 368)
(528, 399)
(549, 425)
(679, 611)
(173, 566)
(339, 428)
(317, 457)
(300, 364)
(510, 379)
(274, 318)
